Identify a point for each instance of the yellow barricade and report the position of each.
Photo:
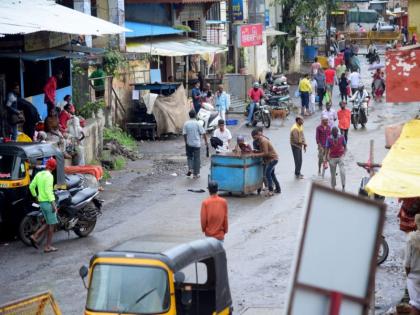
(41, 304)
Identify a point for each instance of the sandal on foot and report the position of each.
(50, 250)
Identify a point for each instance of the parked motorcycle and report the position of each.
(276, 86)
(370, 168)
(359, 113)
(261, 114)
(208, 117)
(77, 213)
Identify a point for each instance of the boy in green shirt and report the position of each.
(44, 183)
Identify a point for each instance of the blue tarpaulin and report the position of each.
(144, 29)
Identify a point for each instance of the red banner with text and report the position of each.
(251, 35)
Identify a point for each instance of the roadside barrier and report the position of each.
(40, 304)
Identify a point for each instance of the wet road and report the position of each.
(149, 202)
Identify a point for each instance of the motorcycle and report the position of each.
(208, 117)
(261, 114)
(370, 168)
(77, 212)
(373, 57)
(359, 113)
(276, 85)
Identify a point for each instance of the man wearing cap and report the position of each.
(43, 182)
(297, 141)
(214, 214)
(323, 131)
(255, 94)
(223, 134)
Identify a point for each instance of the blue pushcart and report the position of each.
(237, 173)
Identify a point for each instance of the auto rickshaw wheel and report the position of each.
(28, 226)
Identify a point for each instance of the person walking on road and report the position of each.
(344, 118)
(297, 141)
(214, 214)
(315, 66)
(331, 114)
(412, 267)
(354, 81)
(222, 102)
(320, 83)
(43, 183)
(305, 89)
(343, 85)
(192, 132)
(330, 80)
(336, 148)
(323, 132)
(270, 160)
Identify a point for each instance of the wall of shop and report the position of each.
(414, 17)
(149, 13)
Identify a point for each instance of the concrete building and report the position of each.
(413, 17)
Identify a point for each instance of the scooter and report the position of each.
(373, 57)
(77, 213)
(359, 113)
(208, 117)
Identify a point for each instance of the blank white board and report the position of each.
(337, 252)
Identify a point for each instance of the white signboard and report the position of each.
(335, 267)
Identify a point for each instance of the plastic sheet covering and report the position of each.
(171, 112)
(399, 176)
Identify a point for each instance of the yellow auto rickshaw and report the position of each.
(19, 162)
(147, 278)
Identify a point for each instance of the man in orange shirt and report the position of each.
(344, 117)
(214, 214)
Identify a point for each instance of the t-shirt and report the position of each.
(193, 130)
(344, 116)
(255, 95)
(214, 217)
(315, 67)
(337, 146)
(44, 182)
(225, 136)
(329, 76)
(332, 116)
(354, 80)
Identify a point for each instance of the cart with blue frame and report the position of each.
(242, 174)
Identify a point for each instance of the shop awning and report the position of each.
(399, 176)
(174, 47)
(144, 29)
(271, 32)
(29, 16)
(41, 55)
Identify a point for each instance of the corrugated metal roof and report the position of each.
(174, 47)
(41, 55)
(173, 1)
(28, 16)
(144, 29)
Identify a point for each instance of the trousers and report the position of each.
(333, 168)
(193, 159)
(270, 175)
(297, 156)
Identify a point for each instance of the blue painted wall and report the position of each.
(38, 100)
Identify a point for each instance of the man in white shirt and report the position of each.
(224, 135)
(354, 81)
(331, 114)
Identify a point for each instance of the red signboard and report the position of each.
(250, 35)
(403, 76)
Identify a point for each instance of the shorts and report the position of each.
(330, 87)
(47, 210)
